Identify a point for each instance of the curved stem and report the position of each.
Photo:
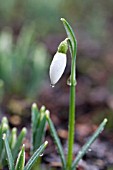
(73, 50)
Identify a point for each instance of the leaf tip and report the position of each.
(14, 130)
(24, 130)
(42, 109)
(4, 120)
(62, 19)
(23, 145)
(34, 105)
(4, 136)
(47, 113)
(105, 120)
(46, 143)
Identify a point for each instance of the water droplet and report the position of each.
(52, 85)
(41, 155)
(68, 81)
(89, 150)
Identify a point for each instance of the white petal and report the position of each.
(57, 67)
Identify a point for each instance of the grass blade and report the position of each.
(34, 122)
(13, 138)
(0, 140)
(56, 139)
(3, 129)
(88, 144)
(38, 126)
(35, 116)
(9, 154)
(35, 156)
(19, 142)
(21, 159)
(40, 133)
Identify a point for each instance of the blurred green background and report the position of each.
(30, 32)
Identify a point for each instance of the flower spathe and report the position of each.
(57, 67)
(58, 63)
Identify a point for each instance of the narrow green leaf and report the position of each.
(56, 139)
(40, 132)
(42, 109)
(13, 138)
(19, 142)
(5, 123)
(35, 115)
(71, 36)
(0, 139)
(34, 122)
(35, 156)
(38, 126)
(41, 116)
(3, 129)
(4, 120)
(88, 144)
(21, 159)
(9, 154)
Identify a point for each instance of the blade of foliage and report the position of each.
(56, 140)
(21, 159)
(0, 139)
(3, 129)
(71, 36)
(38, 126)
(9, 154)
(40, 133)
(35, 116)
(4, 120)
(35, 156)
(19, 142)
(13, 138)
(34, 122)
(88, 144)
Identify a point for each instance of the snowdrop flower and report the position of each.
(58, 63)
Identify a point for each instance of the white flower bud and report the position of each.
(57, 67)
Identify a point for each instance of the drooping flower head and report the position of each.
(58, 63)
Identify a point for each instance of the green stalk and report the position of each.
(71, 116)
(73, 49)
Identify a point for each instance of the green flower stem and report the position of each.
(73, 50)
(71, 116)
